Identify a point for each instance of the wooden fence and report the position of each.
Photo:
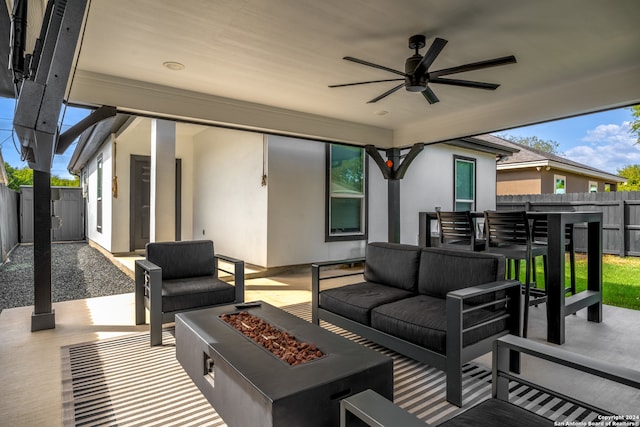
(620, 215)
(8, 221)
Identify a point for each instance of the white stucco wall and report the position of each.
(135, 140)
(297, 205)
(103, 238)
(282, 223)
(229, 202)
(428, 184)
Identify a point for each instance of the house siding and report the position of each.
(532, 181)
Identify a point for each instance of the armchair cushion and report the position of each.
(422, 320)
(440, 272)
(183, 259)
(194, 292)
(356, 301)
(392, 264)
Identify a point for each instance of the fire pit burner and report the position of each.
(281, 344)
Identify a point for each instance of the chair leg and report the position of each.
(527, 275)
(572, 267)
(155, 326)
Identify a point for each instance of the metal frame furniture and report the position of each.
(182, 276)
(540, 233)
(457, 231)
(509, 233)
(409, 318)
(558, 304)
(375, 410)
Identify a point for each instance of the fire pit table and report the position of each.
(249, 386)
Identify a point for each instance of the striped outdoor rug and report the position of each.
(125, 382)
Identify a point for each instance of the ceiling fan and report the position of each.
(417, 76)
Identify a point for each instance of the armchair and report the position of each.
(375, 410)
(182, 276)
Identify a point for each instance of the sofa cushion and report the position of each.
(356, 301)
(422, 320)
(183, 259)
(446, 270)
(194, 292)
(392, 264)
(495, 412)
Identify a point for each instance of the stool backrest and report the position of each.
(507, 228)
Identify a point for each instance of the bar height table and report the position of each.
(558, 305)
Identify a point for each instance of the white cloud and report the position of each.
(609, 147)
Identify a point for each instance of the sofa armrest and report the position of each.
(237, 273)
(509, 343)
(316, 278)
(485, 288)
(456, 310)
(148, 282)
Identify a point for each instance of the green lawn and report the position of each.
(620, 279)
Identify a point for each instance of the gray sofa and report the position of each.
(442, 307)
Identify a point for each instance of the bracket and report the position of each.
(397, 170)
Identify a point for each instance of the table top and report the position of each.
(274, 377)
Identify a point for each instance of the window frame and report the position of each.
(346, 236)
(473, 161)
(592, 183)
(99, 189)
(555, 184)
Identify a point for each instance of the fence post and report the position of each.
(623, 226)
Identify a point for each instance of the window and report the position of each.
(607, 187)
(99, 195)
(346, 194)
(560, 184)
(465, 183)
(593, 187)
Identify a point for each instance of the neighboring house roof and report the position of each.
(528, 157)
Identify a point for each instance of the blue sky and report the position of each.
(600, 140)
(11, 154)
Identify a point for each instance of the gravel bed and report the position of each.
(78, 271)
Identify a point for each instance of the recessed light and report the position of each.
(172, 65)
(381, 112)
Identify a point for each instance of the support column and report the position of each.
(393, 170)
(43, 316)
(393, 198)
(163, 185)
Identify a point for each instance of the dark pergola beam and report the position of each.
(393, 173)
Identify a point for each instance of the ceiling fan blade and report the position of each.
(371, 64)
(465, 83)
(474, 66)
(431, 55)
(387, 93)
(429, 95)
(364, 83)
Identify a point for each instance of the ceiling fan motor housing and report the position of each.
(417, 82)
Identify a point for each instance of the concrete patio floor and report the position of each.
(30, 363)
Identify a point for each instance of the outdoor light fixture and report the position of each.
(389, 163)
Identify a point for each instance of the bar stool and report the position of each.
(457, 231)
(509, 233)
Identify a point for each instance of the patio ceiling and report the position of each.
(266, 65)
